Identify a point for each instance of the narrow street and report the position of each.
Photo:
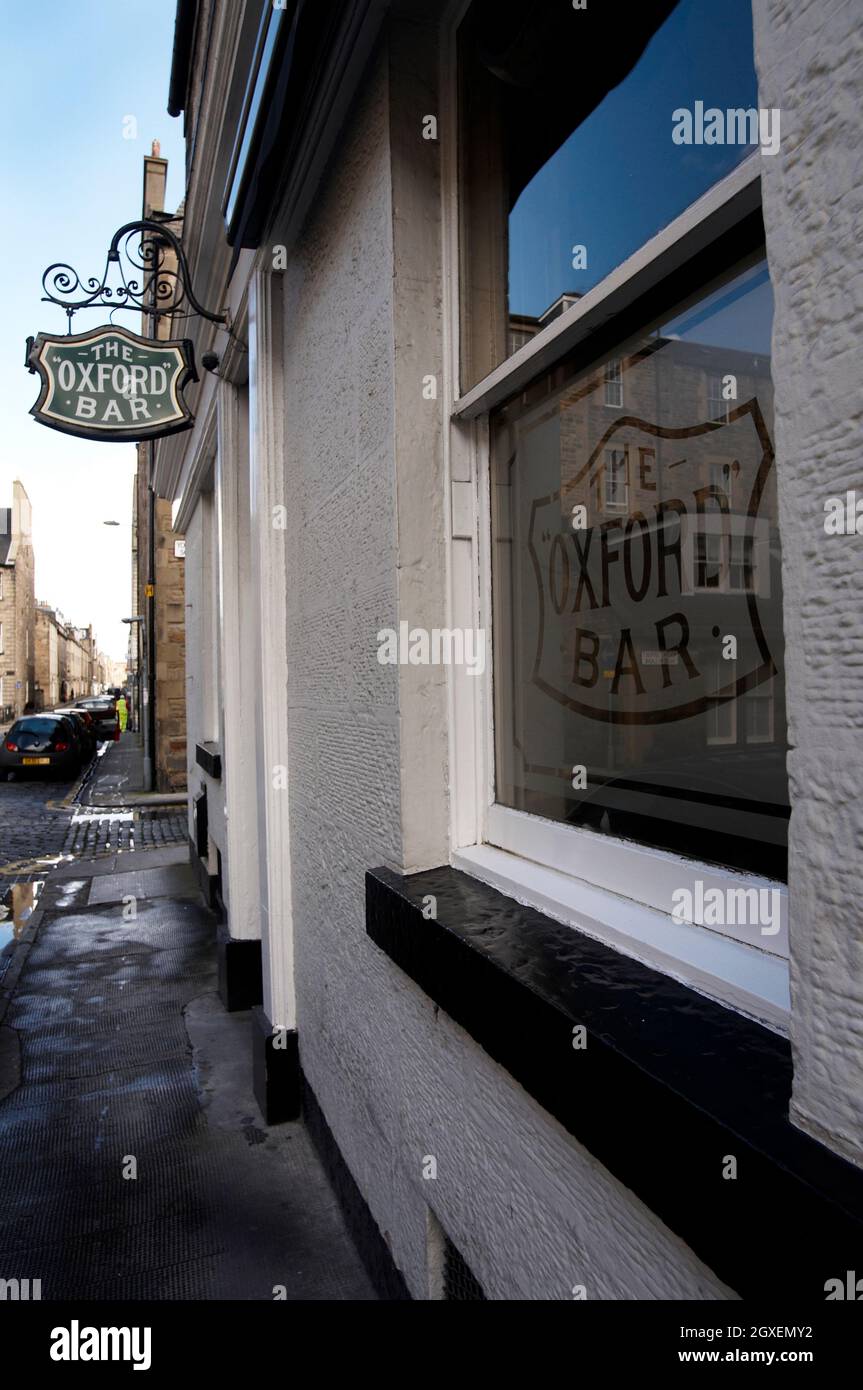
(135, 1162)
(42, 821)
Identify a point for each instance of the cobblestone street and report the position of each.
(42, 821)
(34, 825)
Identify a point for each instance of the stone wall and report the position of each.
(18, 609)
(809, 56)
(532, 1212)
(170, 752)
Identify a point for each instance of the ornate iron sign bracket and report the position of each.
(146, 281)
(112, 384)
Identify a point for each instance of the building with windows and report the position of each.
(558, 948)
(68, 664)
(156, 655)
(17, 606)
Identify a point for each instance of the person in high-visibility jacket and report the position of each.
(123, 713)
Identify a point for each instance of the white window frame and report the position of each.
(715, 465)
(767, 697)
(575, 875)
(717, 407)
(610, 456)
(614, 365)
(724, 675)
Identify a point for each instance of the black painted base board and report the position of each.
(275, 1070)
(667, 1086)
(240, 972)
(365, 1232)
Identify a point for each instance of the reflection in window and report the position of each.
(614, 383)
(759, 716)
(619, 567)
(717, 406)
(721, 711)
(615, 479)
(567, 158)
(740, 567)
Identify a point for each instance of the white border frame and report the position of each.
(574, 875)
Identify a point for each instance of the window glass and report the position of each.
(569, 161)
(38, 726)
(637, 627)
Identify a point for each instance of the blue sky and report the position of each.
(619, 177)
(71, 74)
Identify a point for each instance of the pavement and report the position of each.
(134, 1160)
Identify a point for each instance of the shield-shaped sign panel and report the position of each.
(112, 384)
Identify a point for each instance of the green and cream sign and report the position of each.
(112, 384)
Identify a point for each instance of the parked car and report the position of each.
(50, 742)
(103, 708)
(86, 725)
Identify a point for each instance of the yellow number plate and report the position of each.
(34, 762)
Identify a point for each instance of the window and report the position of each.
(708, 559)
(615, 479)
(721, 477)
(759, 715)
(740, 568)
(629, 750)
(564, 179)
(722, 709)
(718, 407)
(614, 383)
(604, 657)
(2, 648)
(40, 726)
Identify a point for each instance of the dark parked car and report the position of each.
(49, 742)
(103, 708)
(86, 725)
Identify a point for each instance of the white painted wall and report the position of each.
(240, 866)
(809, 58)
(201, 699)
(530, 1210)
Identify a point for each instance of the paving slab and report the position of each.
(125, 859)
(170, 881)
(135, 1163)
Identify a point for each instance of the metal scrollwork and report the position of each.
(151, 276)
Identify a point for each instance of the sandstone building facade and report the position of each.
(158, 591)
(17, 606)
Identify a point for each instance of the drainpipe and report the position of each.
(150, 731)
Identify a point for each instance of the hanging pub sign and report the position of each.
(109, 383)
(112, 384)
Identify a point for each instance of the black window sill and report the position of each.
(668, 1085)
(208, 757)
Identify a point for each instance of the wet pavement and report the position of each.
(134, 1161)
(44, 822)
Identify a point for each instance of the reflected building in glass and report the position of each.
(638, 593)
